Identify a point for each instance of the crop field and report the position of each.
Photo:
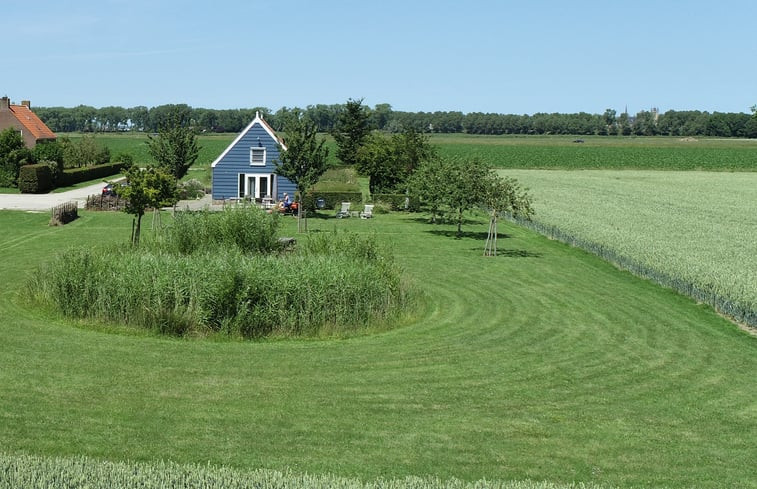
(596, 152)
(544, 363)
(693, 231)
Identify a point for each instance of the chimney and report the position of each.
(5, 103)
(26, 104)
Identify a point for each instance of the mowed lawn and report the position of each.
(543, 363)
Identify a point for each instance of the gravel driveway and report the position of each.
(45, 202)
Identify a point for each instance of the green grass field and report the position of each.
(697, 228)
(597, 152)
(544, 363)
(211, 145)
(550, 152)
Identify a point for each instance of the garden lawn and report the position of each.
(543, 363)
(695, 228)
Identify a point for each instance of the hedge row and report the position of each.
(398, 201)
(73, 176)
(332, 199)
(35, 179)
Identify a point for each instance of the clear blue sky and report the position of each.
(505, 56)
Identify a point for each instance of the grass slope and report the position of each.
(544, 363)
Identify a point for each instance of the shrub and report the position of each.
(48, 151)
(191, 189)
(11, 163)
(83, 152)
(35, 179)
(126, 159)
(73, 176)
(397, 201)
(332, 199)
(56, 170)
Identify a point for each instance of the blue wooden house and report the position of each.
(246, 169)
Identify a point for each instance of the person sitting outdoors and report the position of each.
(287, 201)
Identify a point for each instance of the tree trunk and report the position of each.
(135, 241)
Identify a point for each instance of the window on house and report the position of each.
(257, 156)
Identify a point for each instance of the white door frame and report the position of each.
(254, 179)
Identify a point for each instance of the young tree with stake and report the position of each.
(304, 160)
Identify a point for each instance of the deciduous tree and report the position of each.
(145, 189)
(304, 160)
(175, 147)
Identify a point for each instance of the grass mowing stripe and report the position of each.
(546, 365)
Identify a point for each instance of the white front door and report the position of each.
(257, 185)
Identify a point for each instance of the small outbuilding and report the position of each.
(246, 169)
(21, 118)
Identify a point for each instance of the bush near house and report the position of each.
(35, 179)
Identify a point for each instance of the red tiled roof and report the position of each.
(31, 122)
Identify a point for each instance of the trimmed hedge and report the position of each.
(35, 179)
(73, 176)
(333, 199)
(397, 201)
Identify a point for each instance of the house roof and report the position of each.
(257, 120)
(31, 122)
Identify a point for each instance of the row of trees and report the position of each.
(382, 117)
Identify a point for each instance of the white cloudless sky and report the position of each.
(515, 57)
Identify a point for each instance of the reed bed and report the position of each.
(215, 273)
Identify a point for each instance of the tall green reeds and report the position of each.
(182, 285)
(249, 229)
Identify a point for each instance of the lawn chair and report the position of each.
(344, 211)
(367, 212)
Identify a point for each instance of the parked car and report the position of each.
(110, 189)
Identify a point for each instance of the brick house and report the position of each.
(21, 117)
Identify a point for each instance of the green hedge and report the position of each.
(35, 179)
(397, 201)
(333, 199)
(73, 176)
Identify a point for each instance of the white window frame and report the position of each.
(252, 158)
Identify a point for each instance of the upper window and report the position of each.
(257, 156)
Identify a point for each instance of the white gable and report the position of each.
(256, 120)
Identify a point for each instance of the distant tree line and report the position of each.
(382, 117)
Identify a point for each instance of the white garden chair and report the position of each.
(367, 212)
(344, 211)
